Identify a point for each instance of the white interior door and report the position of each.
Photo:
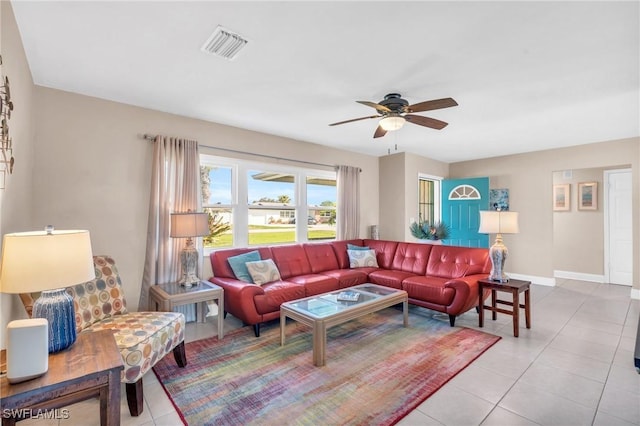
(618, 227)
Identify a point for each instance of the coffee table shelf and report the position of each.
(325, 310)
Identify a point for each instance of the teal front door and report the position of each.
(462, 200)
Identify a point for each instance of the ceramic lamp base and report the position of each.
(56, 306)
(498, 254)
(189, 264)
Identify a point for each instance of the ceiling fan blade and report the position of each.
(379, 107)
(380, 132)
(425, 121)
(353, 119)
(431, 105)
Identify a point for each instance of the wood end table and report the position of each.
(515, 287)
(164, 297)
(90, 367)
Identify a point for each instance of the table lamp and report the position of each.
(48, 261)
(498, 222)
(189, 225)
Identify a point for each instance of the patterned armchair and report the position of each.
(142, 337)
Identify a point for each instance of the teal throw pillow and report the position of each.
(239, 265)
(354, 247)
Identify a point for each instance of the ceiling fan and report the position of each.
(395, 111)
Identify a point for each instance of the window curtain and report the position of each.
(348, 215)
(175, 187)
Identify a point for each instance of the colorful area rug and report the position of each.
(377, 371)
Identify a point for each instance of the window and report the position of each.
(428, 198)
(217, 197)
(260, 204)
(464, 192)
(271, 202)
(322, 194)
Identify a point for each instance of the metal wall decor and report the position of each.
(6, 148)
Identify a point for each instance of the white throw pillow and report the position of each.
(263, 271)
(362, 258)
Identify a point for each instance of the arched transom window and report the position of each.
(464, 192)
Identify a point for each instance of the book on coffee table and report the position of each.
(348, 296)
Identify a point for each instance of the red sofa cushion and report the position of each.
(389, 277)
(347, 277)
(291, 260)
(385, 250)
(456, 262)
(412, 257)
(275, 294)
(429, 289)
(321, 257)
(316, 283)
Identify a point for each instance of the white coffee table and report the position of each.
(325, 310)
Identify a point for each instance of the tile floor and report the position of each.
(573, 367)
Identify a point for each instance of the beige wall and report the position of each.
(578, 236)
(16, 202)
(529, 178)
(399, 206)
(392, 212)
(416, 165)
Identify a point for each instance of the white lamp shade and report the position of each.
(392, 122)
(498, 222)
(187, 225)
(38, 261)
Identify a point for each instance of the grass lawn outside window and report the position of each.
(270, 235)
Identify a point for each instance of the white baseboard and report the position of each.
(594, 278)
(635, 293)
(547, 281)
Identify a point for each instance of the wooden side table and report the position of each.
(90, 367)
(164, 297)
(515, 287)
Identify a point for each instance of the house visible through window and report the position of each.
(255, 204)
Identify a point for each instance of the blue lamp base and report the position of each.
(57, 307)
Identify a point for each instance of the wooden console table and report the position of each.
(515, 287)
(91, 367)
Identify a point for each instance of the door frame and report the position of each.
(607, 242)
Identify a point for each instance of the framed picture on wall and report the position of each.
(588, 196)
(499, 199)
(562, 197)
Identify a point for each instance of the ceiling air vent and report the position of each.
(224, 43)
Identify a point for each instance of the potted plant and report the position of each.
(425, 230)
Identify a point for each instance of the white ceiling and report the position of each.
(527, 75)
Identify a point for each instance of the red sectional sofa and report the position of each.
(439, 277)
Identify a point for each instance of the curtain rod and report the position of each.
(152, 138)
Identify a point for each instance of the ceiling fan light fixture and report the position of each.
(392, 122)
